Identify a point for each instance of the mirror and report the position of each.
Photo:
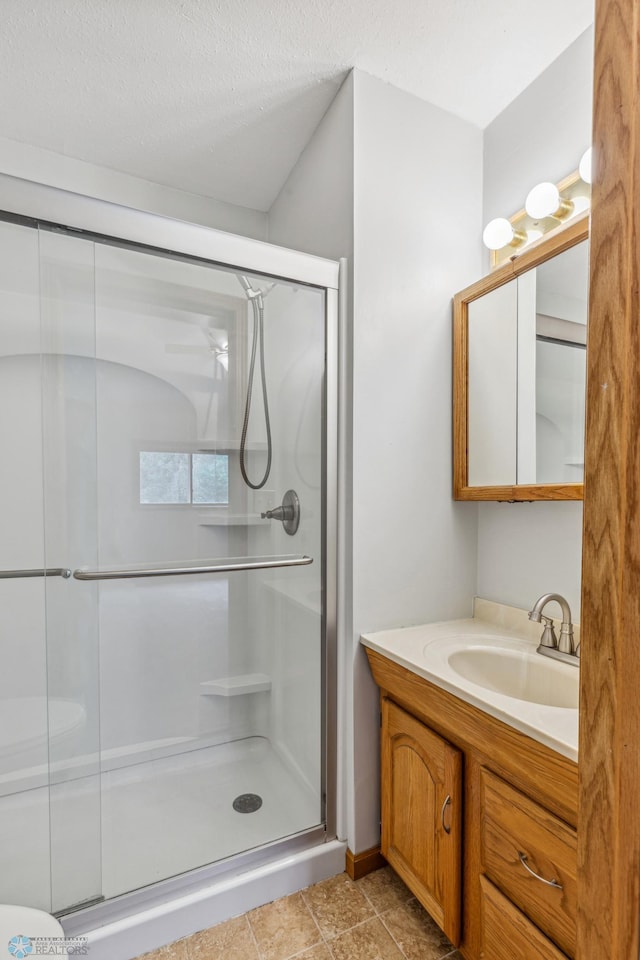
(520, 375)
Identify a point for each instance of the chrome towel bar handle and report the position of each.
(43, 572)
(230, 565)
(218, 566)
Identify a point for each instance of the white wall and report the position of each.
(542, 134)
(410, 199)
(417, 215)
(314, 210)
(67, 173)
(525, 550)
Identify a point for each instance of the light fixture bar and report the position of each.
(548, 206)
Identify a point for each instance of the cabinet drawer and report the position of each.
(519, 839)
(506, 932)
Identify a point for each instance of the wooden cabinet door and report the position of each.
(421, 814)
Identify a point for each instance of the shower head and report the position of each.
(251, 292)
(248, 289)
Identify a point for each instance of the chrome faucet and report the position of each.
(549, 646)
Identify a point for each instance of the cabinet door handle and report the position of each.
(549, 883)
(447, 801)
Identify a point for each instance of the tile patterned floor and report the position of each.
(376, 918)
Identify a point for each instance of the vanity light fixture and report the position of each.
(580, 204)
(545, 200)
(500, 233)
(547, 207)
(585, 168)
(534, 233)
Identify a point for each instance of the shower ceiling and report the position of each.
(220, 98)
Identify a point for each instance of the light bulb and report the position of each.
(545, 201)
(499, 233)
(580, 204)
(585, 169)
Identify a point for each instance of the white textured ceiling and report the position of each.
(219, 97)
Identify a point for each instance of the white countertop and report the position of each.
(426, 649)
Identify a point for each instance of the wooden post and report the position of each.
(609, 766)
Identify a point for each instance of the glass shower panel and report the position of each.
(151, 725)
(211, 685)
(70, 502)
(24, 792)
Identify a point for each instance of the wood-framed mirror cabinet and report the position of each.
(519, 369)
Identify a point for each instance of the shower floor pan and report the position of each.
(179, 814)
(158, 819)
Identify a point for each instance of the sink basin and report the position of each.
(518, 674)
(495, 670)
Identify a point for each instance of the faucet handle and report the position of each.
(288, 511)
(548, 638)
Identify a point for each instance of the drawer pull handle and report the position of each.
(549, 883)
(447, 801)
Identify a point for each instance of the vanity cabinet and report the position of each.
(495, 864)
(422, 772)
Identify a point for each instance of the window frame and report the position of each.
(212, 505)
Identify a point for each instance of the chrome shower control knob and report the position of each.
(288, 512)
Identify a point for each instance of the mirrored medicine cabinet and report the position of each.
(519, 374)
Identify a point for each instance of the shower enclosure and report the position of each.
(167, 679)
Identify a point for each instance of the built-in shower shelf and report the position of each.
(232, 520)
(205, 445)
(236, 686)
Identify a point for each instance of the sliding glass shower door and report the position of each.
(24, 721)
(171, 677)
(68, 377)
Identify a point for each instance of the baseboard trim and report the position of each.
(360, 864)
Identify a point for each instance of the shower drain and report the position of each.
(247, 803)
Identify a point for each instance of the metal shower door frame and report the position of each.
(101, 220)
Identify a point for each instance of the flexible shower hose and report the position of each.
(258, 333)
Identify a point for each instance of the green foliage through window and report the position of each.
(201, 478)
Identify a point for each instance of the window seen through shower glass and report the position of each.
(176, 478)
(209, 478)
